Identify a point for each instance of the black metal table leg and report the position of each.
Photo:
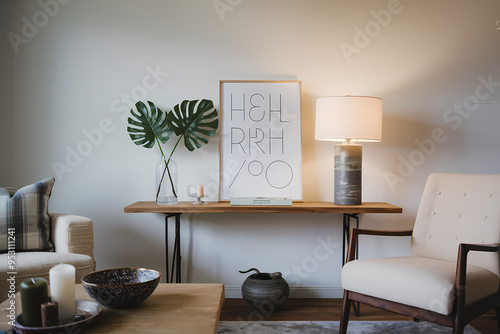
(345, 232)
(173, 259)
(166, 249)
(176, 256)
(178, 239)
(346, 226)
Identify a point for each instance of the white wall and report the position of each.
(78, 70)
(6, 90)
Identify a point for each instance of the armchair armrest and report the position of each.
(463, 251)
(72, 234)
(461, 274)
(355, 232)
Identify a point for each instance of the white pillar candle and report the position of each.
(199, 190)
(62, 289)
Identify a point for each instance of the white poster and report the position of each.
(260, 139)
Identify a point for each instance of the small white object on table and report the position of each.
(62, 289)
(199, 190)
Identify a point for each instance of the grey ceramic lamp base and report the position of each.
(347, 174)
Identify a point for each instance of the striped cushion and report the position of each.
(24, 215)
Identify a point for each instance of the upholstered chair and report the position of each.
(33, 240)
(73, 239)
(452, 273)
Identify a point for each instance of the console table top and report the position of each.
(296, 207)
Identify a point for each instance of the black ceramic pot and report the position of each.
(265, 292)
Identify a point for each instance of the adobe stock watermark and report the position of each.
(298, 272)
(444, 301)
(11, 275)
(454, 116)
(441, 304)
(224, 6)
(373, 28)
(94, 137)
(31, 26)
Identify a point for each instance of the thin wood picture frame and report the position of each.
(260, 146)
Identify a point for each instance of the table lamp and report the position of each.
(349, 119)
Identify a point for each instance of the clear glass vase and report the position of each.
(166, 182)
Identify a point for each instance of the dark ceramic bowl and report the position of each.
(122, 287)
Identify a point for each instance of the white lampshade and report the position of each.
(357, 118)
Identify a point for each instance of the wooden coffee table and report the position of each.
(172, 308)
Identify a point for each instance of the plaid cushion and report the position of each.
(25, 216)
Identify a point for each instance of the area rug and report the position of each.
(321, 327)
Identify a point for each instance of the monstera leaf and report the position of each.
(148, 126)
(195, 121)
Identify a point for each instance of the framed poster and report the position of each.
(260, 139)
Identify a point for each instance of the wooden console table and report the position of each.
(348, 211)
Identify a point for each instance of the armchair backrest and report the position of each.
(458, 208)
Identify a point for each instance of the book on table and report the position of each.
(278, 201)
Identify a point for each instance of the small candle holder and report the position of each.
(196, 191)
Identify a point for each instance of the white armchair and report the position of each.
(73, 239)
(452, 275)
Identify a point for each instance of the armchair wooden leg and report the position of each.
(346, 309)
(497, 312)
(458, 325)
